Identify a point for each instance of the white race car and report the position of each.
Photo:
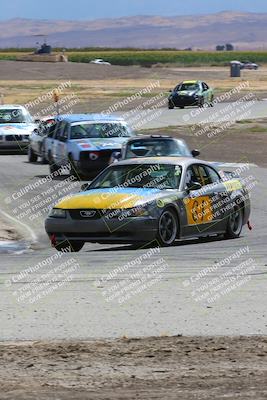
(99, 61)
(16, 125)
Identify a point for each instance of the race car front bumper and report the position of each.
(181, 101)
(93, 162)
(102, 230)
(19, 142)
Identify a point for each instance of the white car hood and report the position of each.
(16, 129)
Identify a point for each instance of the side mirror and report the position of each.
(84, 187)
(195, 153)
(117, 155)
(194, 186)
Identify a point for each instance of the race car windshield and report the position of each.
(188, 86)
(14, 116)
(157, 148)
(149, 176)
(88, 131)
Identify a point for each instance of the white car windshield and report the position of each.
(14, 116)
(101, 130)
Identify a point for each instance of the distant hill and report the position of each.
(247, 31)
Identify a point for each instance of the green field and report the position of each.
(147, 58)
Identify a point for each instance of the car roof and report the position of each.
(11, 106)
(183, 161)
(71, 118)
(191, 81)
(149, 137)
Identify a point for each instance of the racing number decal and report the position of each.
(199, 210)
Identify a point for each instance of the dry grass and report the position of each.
(24, 91)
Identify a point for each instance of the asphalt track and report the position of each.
(81, 303)
(79, 309)
(221, 113)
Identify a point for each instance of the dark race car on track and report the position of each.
(153, 146)
(150, 200)
(191, 93)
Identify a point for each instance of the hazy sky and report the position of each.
(91, 9)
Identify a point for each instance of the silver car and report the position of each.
(16, 126)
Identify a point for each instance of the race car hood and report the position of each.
(114, 198)
(16, 129)
(100, 143)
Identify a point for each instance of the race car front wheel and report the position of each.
(211, 104)
(32, 157)
(235, 223)
(201, 102)
(167, 228)
(43, 157)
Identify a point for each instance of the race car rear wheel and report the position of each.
(71, 246)
(167, 228)
(32, 157)
(235, 223)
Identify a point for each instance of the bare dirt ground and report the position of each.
(99, 86)
(152, 368)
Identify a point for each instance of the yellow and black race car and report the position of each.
(150, 199)
(191, 93)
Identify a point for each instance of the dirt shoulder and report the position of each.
(98, 86)
(150, 368)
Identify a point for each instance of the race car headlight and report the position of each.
(58, 213)
(138, 212)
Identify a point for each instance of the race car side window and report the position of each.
(52, 130)
(201, 174)
(191, 177)
(58, 130)
(205, 86)
(214, 177)
(65, 132)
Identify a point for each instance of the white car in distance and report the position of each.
(99, 61)
(16, 126)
